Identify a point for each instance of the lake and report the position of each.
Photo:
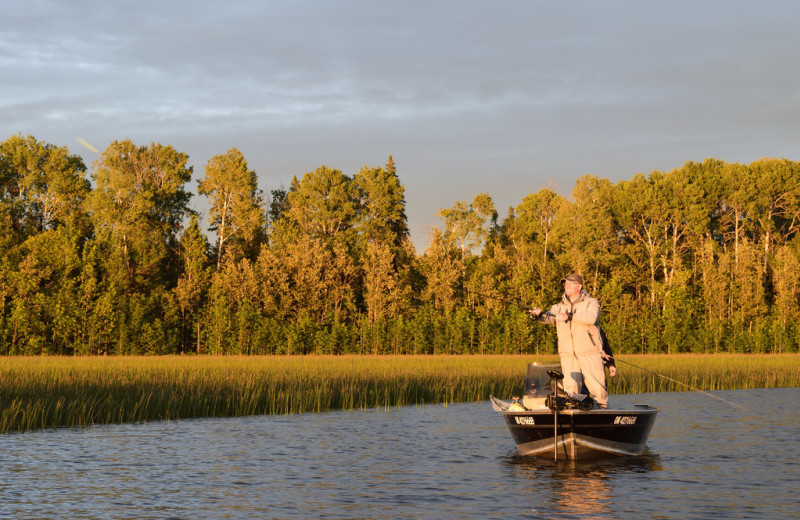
(705, 459)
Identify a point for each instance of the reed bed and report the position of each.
(652, 373)
(48, 392)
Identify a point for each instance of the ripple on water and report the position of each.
(705, 460)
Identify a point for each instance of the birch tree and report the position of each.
(466, 224)
(236, 212)
(139, 203)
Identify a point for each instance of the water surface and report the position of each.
(705, 459)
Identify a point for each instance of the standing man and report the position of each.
(580, 345)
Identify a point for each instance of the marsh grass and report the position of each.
(650, 373)
(48, 392)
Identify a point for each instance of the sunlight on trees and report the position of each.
(704, 258)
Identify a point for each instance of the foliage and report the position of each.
(704, 258)
(236, 212)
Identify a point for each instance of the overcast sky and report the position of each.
(504, 97)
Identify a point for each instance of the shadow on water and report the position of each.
(569, 488)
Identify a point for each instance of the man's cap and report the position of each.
(572, 278)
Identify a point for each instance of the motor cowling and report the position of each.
(570, 403)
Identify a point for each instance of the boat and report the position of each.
(546, 422)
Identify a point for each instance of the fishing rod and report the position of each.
(680, 383)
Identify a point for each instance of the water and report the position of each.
(705, 459)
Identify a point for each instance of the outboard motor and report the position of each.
(560, 400)
(542, 390)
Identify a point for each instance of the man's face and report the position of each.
(572, 289)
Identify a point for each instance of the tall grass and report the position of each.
(649, 373)
(48, 392)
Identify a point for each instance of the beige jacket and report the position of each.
(580, 334)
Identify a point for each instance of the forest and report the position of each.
(111, 260)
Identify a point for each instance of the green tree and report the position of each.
(278, 205)
(382, 216)
(773, 202)
(466, 224)
(234, 317)
(687, 218)
(193, 283)
(236, 212)
(734, 224)
(138, 207)
(324, 204)
(444, 270)
(41, 186)
(787, 298)
(589, 233)
(43, 317)
(382, 289)
(641, 210)
(534, 234)
(306, 278)
(138, 204)
(42, 232)
(388, 255)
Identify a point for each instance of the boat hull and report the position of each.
(581, 434)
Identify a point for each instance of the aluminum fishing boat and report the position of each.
(551, 424)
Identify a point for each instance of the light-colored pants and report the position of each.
(585, 368)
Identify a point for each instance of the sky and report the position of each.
(469, 97)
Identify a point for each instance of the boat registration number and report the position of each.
(524, 420)
(621, 419)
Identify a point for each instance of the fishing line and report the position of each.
(525, 307)
(680, 383)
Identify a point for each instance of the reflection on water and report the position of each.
(580, 489)
(705, 460)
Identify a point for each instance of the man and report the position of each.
(580, 344)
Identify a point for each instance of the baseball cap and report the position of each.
(572, 278)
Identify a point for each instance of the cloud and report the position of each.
(468, 96)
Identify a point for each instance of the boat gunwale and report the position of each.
(641, 409)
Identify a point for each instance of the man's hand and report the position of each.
(535, 312)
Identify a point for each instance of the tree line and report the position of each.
(112, 260)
